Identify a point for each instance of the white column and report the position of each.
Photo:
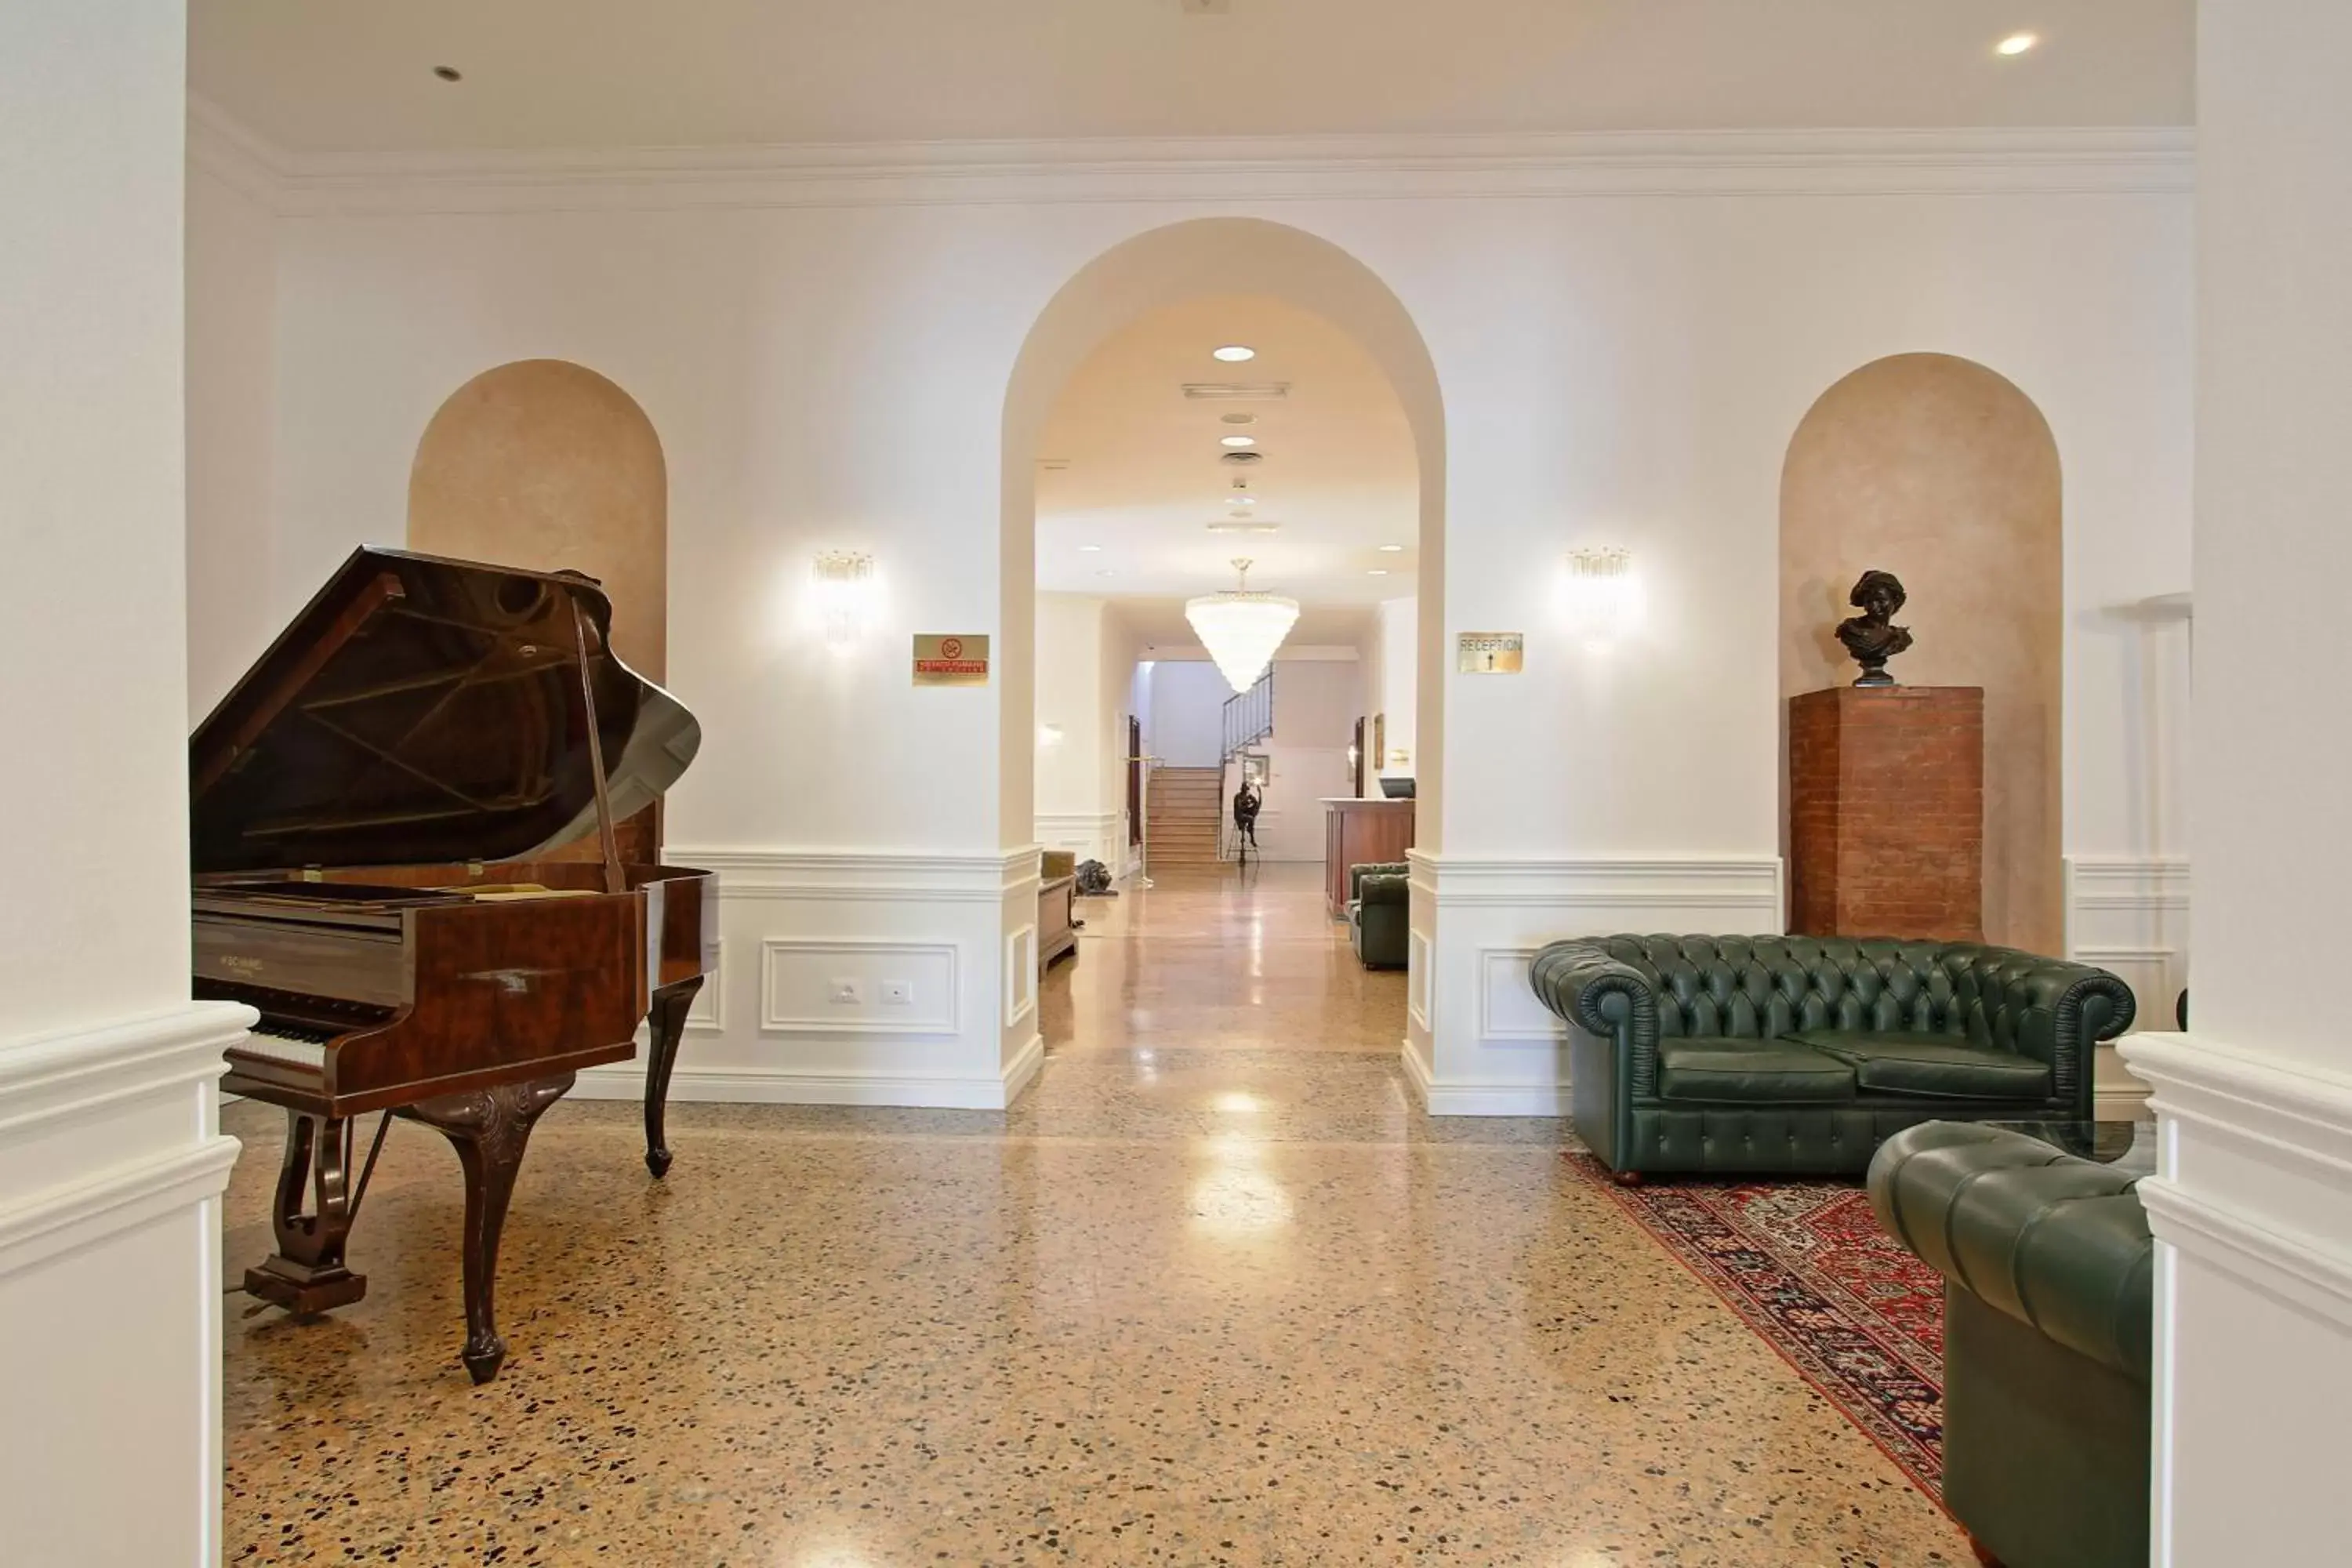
(111, 1158)
(2253, 1202)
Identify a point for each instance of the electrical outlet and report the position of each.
(898, 993)
(847, 994)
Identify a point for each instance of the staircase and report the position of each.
(1184, 812)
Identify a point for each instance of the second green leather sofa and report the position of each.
(1801, 1055)
(1378, 912)
(2048, 1321)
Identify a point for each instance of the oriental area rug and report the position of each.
(1806, 1266)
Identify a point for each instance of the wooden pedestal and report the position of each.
(1886, 812)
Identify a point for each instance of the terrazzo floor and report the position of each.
(1213, 1293)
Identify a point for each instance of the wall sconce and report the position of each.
(843, 592)
(1601, 593)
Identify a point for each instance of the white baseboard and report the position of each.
(782, 1085)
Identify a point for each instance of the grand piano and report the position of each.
(407, 825)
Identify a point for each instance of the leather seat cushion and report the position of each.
(1780, 1072)
(1939, 1066)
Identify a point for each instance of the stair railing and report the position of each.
(1248, 718)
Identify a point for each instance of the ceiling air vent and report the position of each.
(1237, 390)
(1245, 525)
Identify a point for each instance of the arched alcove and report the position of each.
(545, 464)
(1154, 270)
(1941, 471)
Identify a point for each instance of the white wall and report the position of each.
(1086, 664)
(1397, 695)
(2252, 1204)
(1315, 701)
(111, 1158)
(232, 284)
(1624, 348)
(1186, 729)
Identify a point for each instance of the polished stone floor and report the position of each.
(1214, 1292)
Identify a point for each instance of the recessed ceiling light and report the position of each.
(1233, 353)
(1237, 440)
(449, 73)
(1390, 549)
(1089, 549)
(1105, 573)
(2017, 43)
(1378, 572)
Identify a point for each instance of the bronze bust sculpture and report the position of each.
(1871, 637)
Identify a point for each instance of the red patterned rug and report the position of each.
(1805, 1264)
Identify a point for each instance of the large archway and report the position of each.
(1206, 256)
(1153, 271)
(1945, 473)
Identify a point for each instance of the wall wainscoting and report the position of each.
(1088, 835)
(111, 1169)
(855, 977)
(1492, 1049)
(2130, 916)
(2252, 1204)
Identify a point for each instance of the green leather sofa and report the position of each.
(1801, 1055)
(1379, 909)
(2047, 1267)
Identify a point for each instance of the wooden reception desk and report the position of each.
(1360, 833)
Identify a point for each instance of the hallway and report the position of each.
(1214, 1292)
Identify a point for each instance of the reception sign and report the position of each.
(1488, 653)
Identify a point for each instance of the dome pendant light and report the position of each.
(1242, 629)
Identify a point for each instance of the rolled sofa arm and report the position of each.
(2058, 1243)
(1379, 886)
(1581, 984)
(2063, 1010)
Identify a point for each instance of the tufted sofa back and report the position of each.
(1758, 987)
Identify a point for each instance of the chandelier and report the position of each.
(1242, 629)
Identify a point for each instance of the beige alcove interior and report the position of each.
(1942, 473)
(545, 464)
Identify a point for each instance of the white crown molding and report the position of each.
(108, 1128)
(2256, 1173)
(2123, 882)
(234, 153)
(933, 876)
(2063, 161)
(1748, 883)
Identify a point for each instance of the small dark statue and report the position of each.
(1872, 637)
(1249, 801)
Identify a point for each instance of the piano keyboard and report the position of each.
(290, 1043)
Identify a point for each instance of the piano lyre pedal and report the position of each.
(380, 814)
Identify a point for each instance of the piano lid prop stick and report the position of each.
(615, 881)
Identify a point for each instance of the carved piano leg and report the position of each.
(488, 1128)
(306, 1273)
(668, 1021)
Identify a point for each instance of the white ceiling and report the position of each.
(356, 75)
(1144, 477)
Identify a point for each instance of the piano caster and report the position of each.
(305, 1275)
(489, 1129)
(668, 1021)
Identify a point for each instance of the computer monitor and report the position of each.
(1396, 789)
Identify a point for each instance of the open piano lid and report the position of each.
(428, 711)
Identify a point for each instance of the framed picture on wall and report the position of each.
(1380, 741)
